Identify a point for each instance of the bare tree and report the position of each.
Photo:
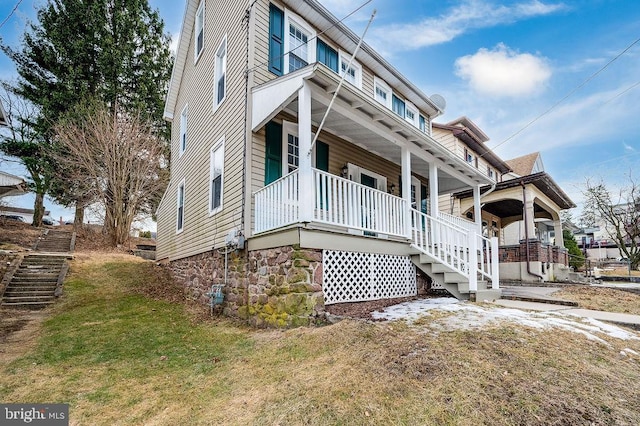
(620, 215)
(22, 144)
(117, 160)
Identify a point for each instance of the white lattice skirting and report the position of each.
(357, 277)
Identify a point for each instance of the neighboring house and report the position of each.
(25, 214)
(4, 120)
(11, 185)
(525, 207)
(290, 225)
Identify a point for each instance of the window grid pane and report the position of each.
(293, 151)
(298, 46)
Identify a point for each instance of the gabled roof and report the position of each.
(523, 166)
(471, 135)
(3, 116)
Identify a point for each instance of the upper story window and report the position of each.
(183, 130)
(180, 207)
(422, 123)
(490, 172)
(219, 90)
(216, 176)
(398, 106)
(327, 55)
(382, 92)
(468, 156)
(298, 50)
(411, 114)
(353, 71)
(199, 31)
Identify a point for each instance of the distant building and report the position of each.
(26, 214)
(11, 185)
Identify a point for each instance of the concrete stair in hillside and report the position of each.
(56, 241)
(36, 282)
(454, 282)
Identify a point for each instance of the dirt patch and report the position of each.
(363, 310)
(19, 330)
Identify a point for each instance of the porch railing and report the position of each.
(342, 202)
(276, 205)
(458, 221)
(462, 250)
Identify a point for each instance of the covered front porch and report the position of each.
(524, 213)
(342, 195)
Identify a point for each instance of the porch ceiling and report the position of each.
(364, 122)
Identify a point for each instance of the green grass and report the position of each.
(119, 357)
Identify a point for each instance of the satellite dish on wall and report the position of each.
(439, 101)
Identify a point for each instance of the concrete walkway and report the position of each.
(617, 318)
(534, 294)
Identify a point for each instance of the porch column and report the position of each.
(433, 190)
(477, 213)
(529, 212)
(557, 228)
(305, 173)
(406, 189)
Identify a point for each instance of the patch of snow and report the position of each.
(471, 316)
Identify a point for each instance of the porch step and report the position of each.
(454, 282)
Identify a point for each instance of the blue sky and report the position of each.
(502, 64)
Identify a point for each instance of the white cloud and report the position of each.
(469, 15)
(503, 72)
(173, 46)
(628, 148)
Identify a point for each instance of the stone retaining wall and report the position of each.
(277, 287)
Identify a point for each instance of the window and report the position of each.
(327, 55)
(199, 31)
(290, 147)
(216, 176)
(180, 207)
(490, 172)
(382, 92)
(354, 73)
(183, 131)
(293, 153)
(468, 156)
(397, 105)
(219, 89)
(296, 43)
(276, 40)
(299, 49)
(411, 114)
(422, 123)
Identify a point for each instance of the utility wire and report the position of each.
(261, 64)
(594, 75)
(622, 93)
(10, 13)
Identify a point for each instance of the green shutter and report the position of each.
(273, 153)
(276, 40)
(424, 199)
(322, 156)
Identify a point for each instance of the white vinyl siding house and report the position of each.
(257, 175)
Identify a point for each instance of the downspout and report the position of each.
(526, 232)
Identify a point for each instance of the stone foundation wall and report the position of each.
(277, 287)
